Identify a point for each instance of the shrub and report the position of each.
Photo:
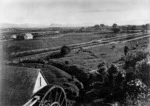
(116, 77)
(132, 57)
(126, 50)
(136, 92)
(64, 50)
(143, 71)
(54, 55)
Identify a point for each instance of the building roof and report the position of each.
(17, 85)
(51, 73)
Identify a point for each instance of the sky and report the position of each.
(75, 12)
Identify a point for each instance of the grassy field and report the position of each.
(90, 57)
(48, 42)
(110, 53)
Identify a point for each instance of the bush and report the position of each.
(143, 71)
(136, 92)
(133, 57)
(54, 55)
(64, 50)
(126, 50)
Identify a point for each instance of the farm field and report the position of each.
(16, 46)
(86, 45)
(48, 42)
(89, 57)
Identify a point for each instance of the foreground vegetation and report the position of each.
(124, 85)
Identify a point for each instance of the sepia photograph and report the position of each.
(74, 52)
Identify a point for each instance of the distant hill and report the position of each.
(9, 25)
(56, 25)
(64, 25)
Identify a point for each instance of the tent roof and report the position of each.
(17, 85)
(51, 73)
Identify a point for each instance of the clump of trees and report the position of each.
(138, 85)
(109, 83)
(115, 87)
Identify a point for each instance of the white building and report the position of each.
(13, 37)
(57, 32)
(28, 36)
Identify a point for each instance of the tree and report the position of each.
(147, 26)
(126, 50)
(144, 28)
(96, 26)
(114, 25)
(102, 25)
(82, 29)
(133, 27)
(143, 71)
(133, 57)
(115, 28)
(64, 50)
